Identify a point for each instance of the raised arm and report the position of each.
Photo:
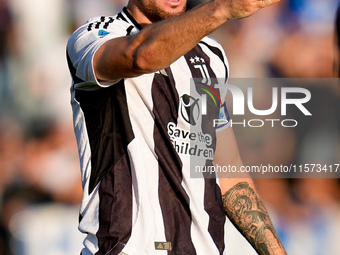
(241, 201)
(160, 44)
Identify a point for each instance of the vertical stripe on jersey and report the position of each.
(219, 53)
(173, 198)
(109, 131)
(115, 209)
(212, 193)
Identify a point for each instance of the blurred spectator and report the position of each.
(7, 43)
(38, 167)
(294, 59)
(317, 233)
(306, 50)
(82, 10)
(51, 164)
(11, 155)
(55, 230)
(250, 43)
(314, 16)
(305, 213)
(16, 197)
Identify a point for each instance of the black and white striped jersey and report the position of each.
(137, 138)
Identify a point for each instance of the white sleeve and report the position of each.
(82, 46)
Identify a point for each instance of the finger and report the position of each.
(265, 3)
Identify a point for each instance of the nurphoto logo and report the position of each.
(243, 100)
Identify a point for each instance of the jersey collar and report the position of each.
(129, 16)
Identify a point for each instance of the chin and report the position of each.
(167, 13)
(157, 11)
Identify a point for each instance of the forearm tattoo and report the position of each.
(245, 209)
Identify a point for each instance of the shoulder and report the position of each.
(99, 29)
(214, 46)
(117, 23)
(211, 41)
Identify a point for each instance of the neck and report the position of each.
(138, 15)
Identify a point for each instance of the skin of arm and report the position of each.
(160, 44)
(242, 203)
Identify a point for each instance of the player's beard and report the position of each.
(154, 13)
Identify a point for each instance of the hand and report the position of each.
(238, 9)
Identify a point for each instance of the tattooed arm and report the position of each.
(245, 209)
(242, 203)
